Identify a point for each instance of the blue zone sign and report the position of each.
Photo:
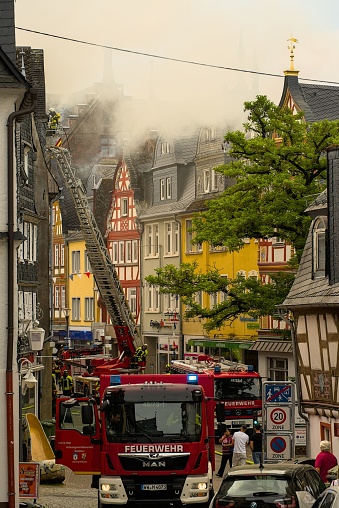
(278, 394)
(278, 447)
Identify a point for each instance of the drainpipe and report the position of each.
(302, 415)
(181, 336)
(11, 464)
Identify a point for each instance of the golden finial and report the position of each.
(291, 47)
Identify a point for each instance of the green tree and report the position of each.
(275, 178)
(277, 166)
(240, 296)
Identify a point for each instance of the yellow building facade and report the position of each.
(232, 338)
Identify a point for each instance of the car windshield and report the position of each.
(242, 486)
(154, 421)
(237, 388)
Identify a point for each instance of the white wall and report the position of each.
(8, 98)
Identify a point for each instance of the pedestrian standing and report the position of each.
(256, 445)
(66, 383)
(240, 443)
(325, 460)
(226, 442)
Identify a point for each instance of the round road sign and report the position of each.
(278, 416)
(278, 444)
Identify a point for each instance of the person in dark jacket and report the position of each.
(256, 445)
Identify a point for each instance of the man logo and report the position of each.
(154, 464)
(253, 505)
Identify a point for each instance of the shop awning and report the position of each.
(225, 344)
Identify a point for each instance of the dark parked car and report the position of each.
(270, 486)
(329, 498)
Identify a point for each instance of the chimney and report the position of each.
(7, 29)
(333, 212)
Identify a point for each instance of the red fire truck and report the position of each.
(150, 440)
(236, 385)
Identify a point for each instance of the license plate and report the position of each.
(154, 486)
(238, 424)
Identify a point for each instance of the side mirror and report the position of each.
(220, 412)
(87, 414)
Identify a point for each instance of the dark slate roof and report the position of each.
(182, 150)
(7, 28)
(319, 204)
(318, 102)
(307, 291)
(177, 206)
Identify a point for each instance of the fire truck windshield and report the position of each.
(237, 388)
(153, 421)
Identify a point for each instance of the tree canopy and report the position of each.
(277, 167)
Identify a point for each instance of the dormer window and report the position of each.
(319, 248)
(165, 148)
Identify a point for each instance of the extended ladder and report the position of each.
(103, 269)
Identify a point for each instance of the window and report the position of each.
(214, 180)
(28, 248)
(152, 240)
(135, 251)
(121, 252)
(222, 295)
(198, 298)
(207, 180)
(171, 238)
(170, 302)
(165, 147)
(56, 255)
(124, 207)
(89, 309)
(153, 299)
(56, 297)
(319, 248)
(168, 187)
(132, 300)
(190, 246)
(162, 189)
(26, 164)
(108, 147)
(87, 264)
(277, 369)
(114, 253)
(213, 300)
(75, 309)
(129, 251)
(63, 297)
(62, 255)
(165, 188)
(75, 261)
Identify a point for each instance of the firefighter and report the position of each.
(66, 383)
(168, 369)
(53, 118)
(140, 354)
(57, 372)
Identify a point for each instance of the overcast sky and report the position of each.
(243, 34)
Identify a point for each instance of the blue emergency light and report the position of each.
(250, 368)
(192, 379)
(115, 380)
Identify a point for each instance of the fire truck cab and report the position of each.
(150, 439)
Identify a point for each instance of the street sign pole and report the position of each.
(278, 420)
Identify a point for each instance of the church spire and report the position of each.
(291, 47)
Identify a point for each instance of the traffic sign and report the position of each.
(278, 447)
(278, 418)
(278, 394)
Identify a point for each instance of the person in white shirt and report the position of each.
(240, 443)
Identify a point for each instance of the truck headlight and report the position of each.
(199, 486)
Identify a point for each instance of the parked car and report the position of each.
(329, 498)
(269, 486)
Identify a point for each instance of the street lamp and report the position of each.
(66, 312)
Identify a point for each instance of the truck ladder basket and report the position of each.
(103, 269)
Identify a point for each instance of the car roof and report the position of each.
(278, 469)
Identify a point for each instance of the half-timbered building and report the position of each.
(314, 303)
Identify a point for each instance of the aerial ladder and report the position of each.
(103, 269)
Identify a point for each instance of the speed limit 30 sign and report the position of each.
(278, 418)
